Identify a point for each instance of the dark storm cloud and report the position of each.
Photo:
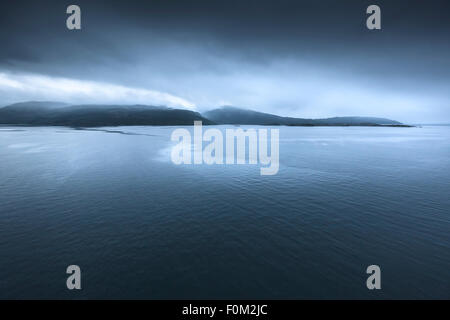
(305, 58)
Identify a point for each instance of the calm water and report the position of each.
(142, 227)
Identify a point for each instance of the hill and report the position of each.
(47, 113)
(60, 114)
(233, 115)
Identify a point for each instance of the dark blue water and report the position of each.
(142, 227)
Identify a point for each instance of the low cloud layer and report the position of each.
(15, 88)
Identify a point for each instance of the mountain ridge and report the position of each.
(49, 113)
(234, 115)
(95, 115)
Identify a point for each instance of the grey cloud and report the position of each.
(302, 58)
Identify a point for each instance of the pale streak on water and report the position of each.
(141, 227)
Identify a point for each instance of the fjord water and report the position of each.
(139, 226)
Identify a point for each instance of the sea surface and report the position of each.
(111, 201)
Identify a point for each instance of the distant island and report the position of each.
(45, 113)
(239, 116)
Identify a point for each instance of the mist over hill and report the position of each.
(233, 115)
(60, 114)
(47, 113)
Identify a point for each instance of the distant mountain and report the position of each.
(237, 116)
(233, 115)
(60, 114)
(26, 112)
(39, 113)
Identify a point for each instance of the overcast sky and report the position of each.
(298, 58)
